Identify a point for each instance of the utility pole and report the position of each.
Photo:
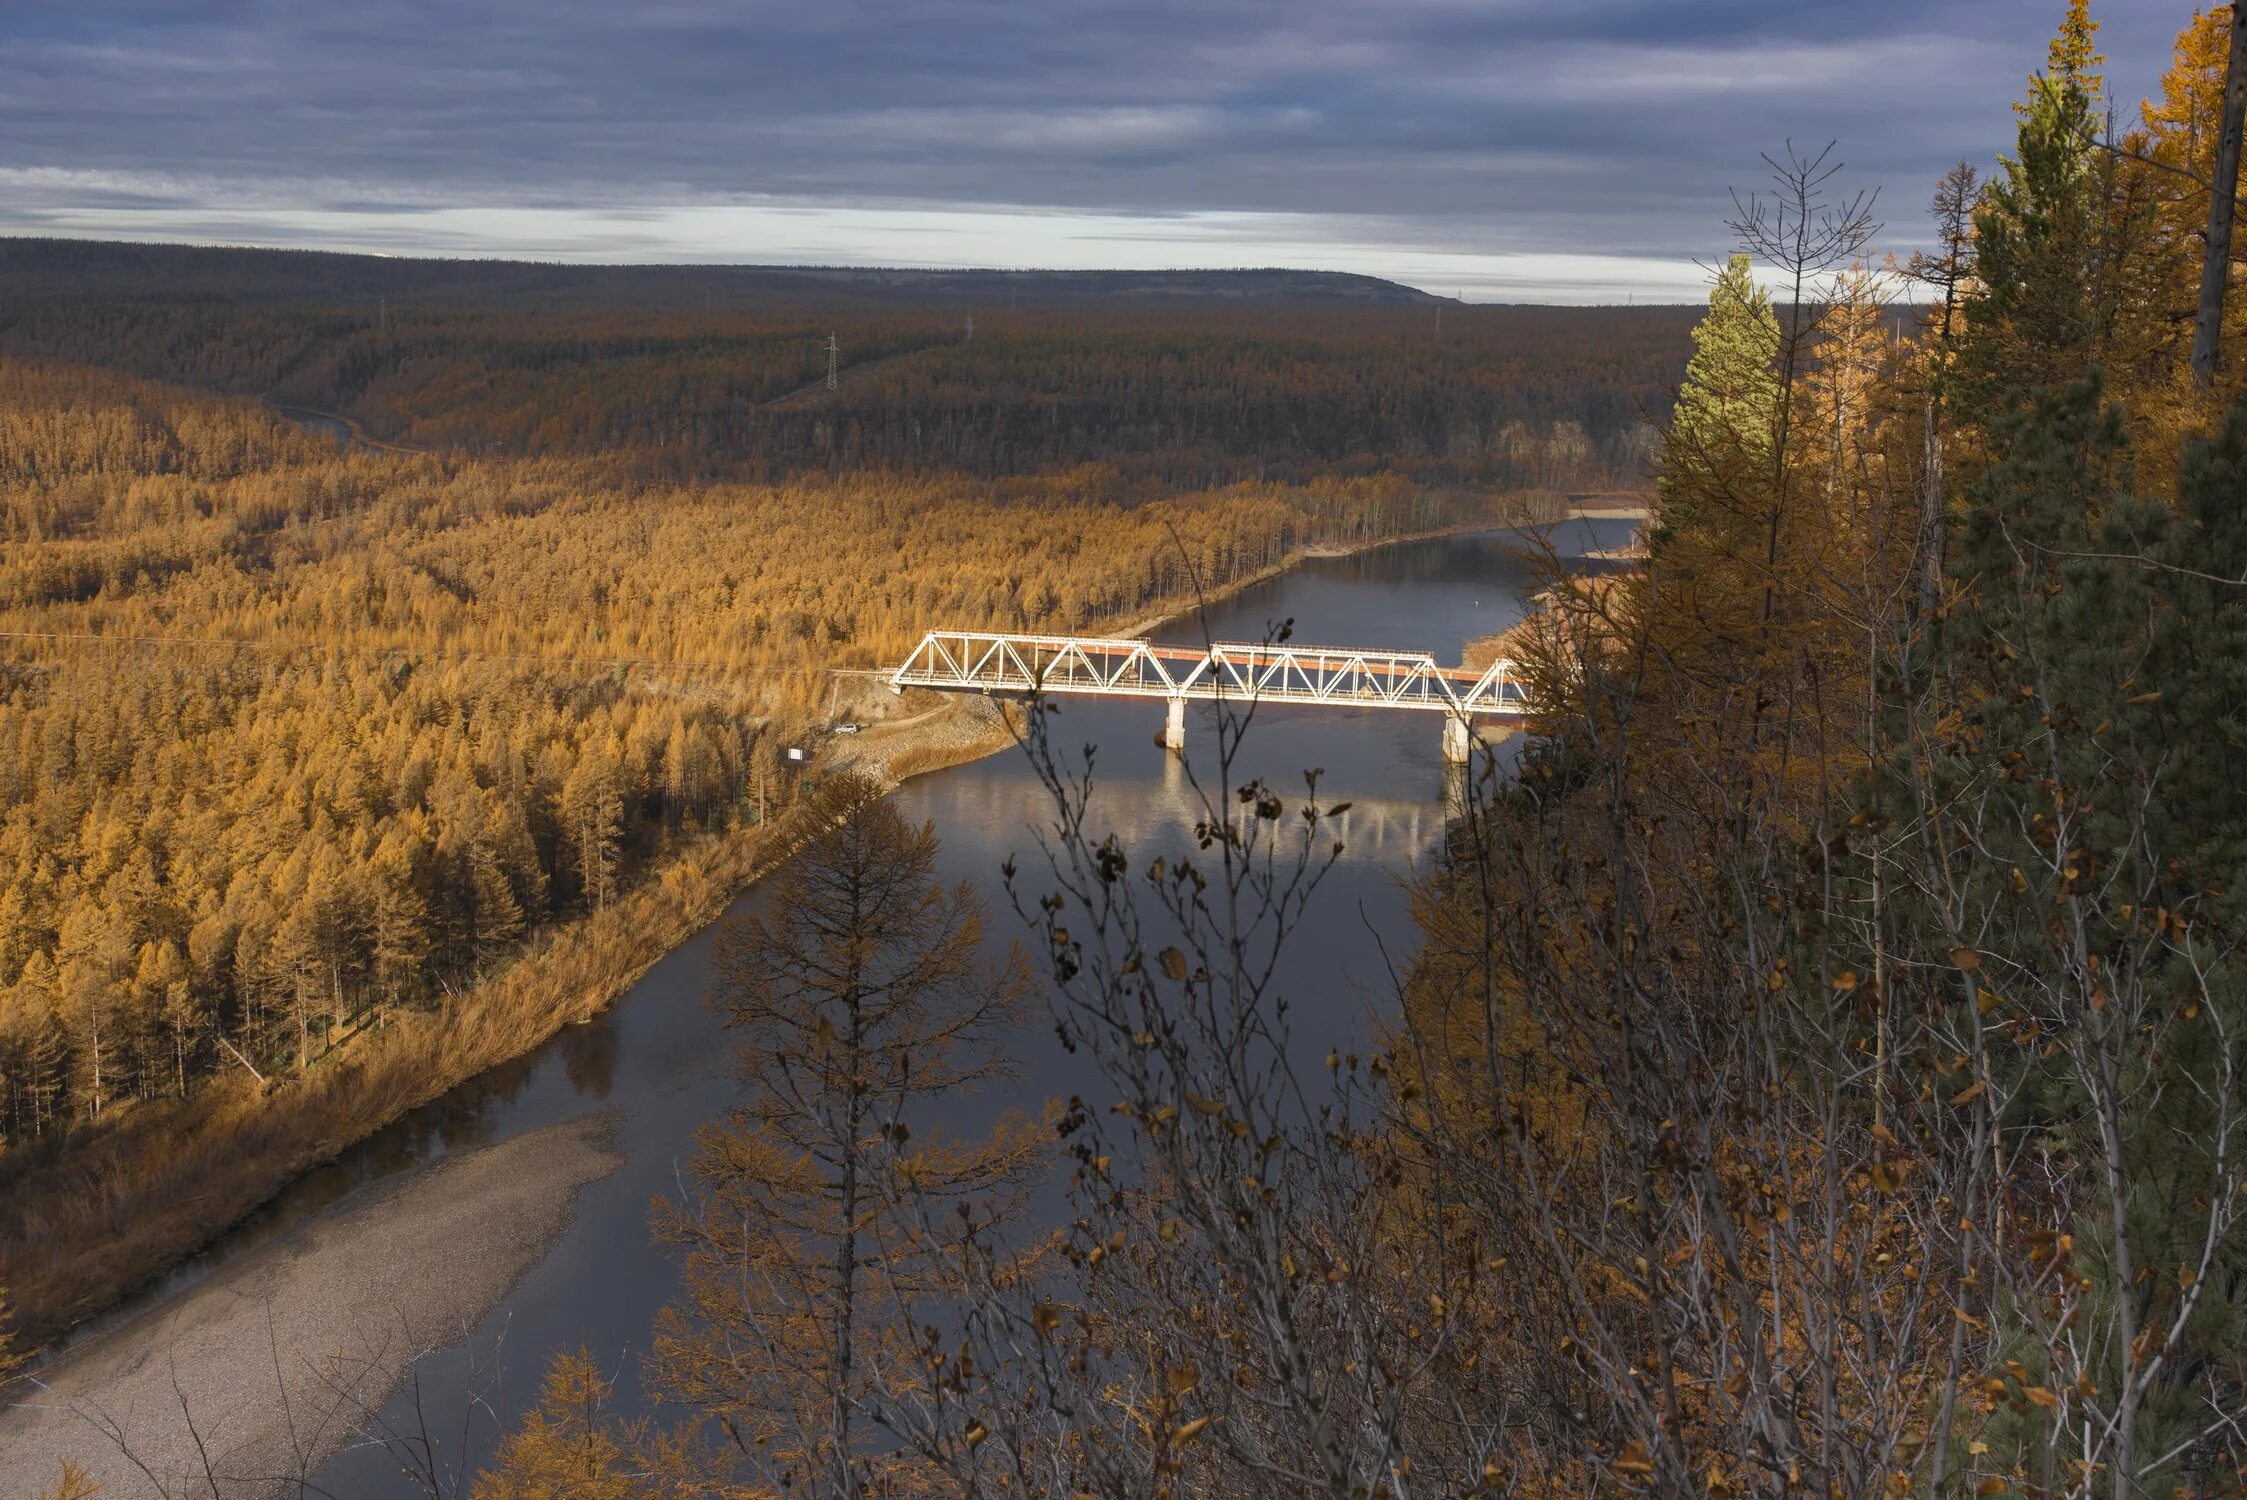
(382, 314)
(834, 350)
(970, 330)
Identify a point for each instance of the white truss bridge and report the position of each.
(990, 662)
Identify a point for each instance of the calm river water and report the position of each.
(657, 1062)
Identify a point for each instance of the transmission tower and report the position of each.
(833, 351)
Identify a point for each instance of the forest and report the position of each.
(1171, 397)
(328, 756)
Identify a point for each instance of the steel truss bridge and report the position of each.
(988, 662)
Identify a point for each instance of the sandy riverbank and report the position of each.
(254, 1377)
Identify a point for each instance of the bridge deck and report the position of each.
(966, 660)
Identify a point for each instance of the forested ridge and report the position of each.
(1492, 397)
(61, 268)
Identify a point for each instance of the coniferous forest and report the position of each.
(1822, 1069)
(353, 651)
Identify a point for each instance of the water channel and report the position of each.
(657, 1063)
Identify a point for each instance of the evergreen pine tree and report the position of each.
(1720, 438)
(2035, 318)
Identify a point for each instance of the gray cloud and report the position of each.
(1485, 127)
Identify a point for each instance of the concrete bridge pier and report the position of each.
(1174, 726)
(1458, 740)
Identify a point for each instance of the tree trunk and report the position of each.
(846, 1248)
(1928, 563)
(2215, 267)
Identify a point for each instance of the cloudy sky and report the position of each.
(1570, 150)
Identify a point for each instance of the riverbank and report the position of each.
(127, 1207)
(1220, 593)
(283, 1357)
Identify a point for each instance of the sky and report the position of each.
(1503, 150)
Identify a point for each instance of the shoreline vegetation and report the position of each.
(134, 1203)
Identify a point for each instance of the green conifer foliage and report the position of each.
(2036, 317)
(2103, 659)
(1721, 435)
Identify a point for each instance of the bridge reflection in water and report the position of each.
(1160, 812)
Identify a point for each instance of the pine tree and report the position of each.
(1719, 442)
(2043, 297)
(2073, 56)
(44, 1055)
(159, 992)
(496, 916)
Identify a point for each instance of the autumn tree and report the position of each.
(859, 994)
(251, 791)
(592, 808)
(573, 1446)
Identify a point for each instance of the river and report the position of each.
(656, 1064)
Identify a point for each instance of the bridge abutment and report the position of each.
(1174, 725)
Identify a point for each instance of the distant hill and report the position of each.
(112, 268)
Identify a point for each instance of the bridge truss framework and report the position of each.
(996, 662)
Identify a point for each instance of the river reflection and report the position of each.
(658, 1060)
(1161, 809)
